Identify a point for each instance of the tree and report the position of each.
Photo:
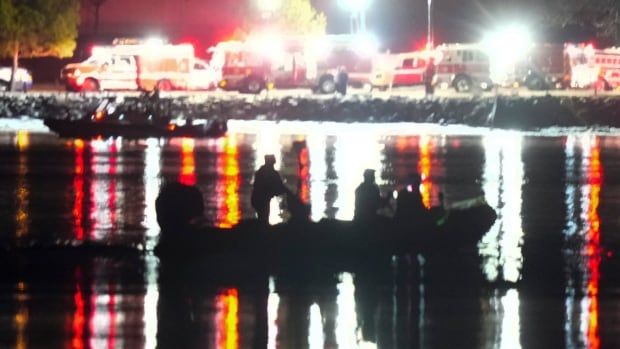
(37, 28)
(599, 16)
(297, 17)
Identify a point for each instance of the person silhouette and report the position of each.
(367, 198)
(267, 184)
(409, 205)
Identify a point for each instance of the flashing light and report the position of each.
(98, 51)
(366, 44)
(355, 5)
(269, 5)
(505, 47)
(270, 45)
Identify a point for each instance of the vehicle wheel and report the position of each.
(462, 84)
(4, 86)
(327, 84)
(164, 85)
(90, 85)
(254, 86)
(535, 83)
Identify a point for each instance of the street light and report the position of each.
(429, 33)
(358, 9)
(267, 7)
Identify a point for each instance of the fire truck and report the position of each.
(294, 62)
(463, 66)
(135, 65)
(592, 67)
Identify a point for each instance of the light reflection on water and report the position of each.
(325, 169)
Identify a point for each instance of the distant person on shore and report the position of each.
(367, 198)
(429, 78)
(409, 205)
(342, 80)
(267, 184)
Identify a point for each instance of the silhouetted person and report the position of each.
(267, 184)
(367, 198)
(409, 205)
(342, 80)
(429, 75)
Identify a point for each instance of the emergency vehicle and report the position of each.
(401, 69)
(594, 67)
(293, 62)
(546, 66)
(131, 65)
(463, 66)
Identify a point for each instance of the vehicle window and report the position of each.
(420, 63)
(199, 66)
(408, 63)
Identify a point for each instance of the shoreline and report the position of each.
(502, 112)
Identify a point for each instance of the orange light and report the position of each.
(593, 241)
(227, 318)
(229, 213)
(23, 139)
(304, 175)
(424, 168)
(172, 127)
(79, 319)
(99, 115)
(188, 168)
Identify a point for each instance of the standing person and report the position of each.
(267, 184)
(409, 205)
(367, 198)
(429, 77)
(342, 80)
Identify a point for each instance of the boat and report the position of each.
(135, 120)
(86, 128)
(326, 241)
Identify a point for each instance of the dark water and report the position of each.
(546, 274)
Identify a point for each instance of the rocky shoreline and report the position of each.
(506, 112)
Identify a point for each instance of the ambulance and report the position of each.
(136, 65)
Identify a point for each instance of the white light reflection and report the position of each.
(582, 312)
(510, 337)
(354, 153)
(268, 142)
(106, 204)
(346, 321)
(150, 303)
(503, 174)
(273, 302)
(317, 144)
(106, 320)
(316, 338)
(152, 169)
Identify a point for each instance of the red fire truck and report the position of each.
(293, 62)
(594, 67)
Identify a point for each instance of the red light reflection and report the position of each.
(228, 211)
(304, 175)
(188, 168)
(227, 318)
(78, 189)
(79, 318)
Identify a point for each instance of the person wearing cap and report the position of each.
(367, 198)
(267, 184)
(409, 205)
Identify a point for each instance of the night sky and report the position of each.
(400, 24)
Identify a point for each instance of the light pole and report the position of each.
(429, 31)
(358, 9)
